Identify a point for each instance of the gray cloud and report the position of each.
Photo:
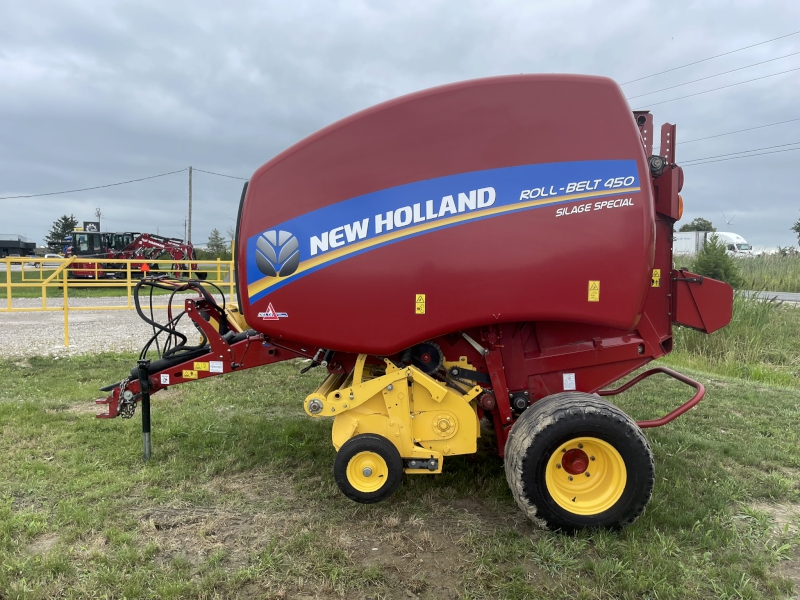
(94, 93)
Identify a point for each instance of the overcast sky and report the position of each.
(99, 92)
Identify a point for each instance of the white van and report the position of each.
(690, 242)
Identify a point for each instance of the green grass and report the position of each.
(78, 288)
(773, 273)
(239, 501)
(769, 272)
(760, 344)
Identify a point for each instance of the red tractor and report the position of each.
(496, 250)
(128, 245)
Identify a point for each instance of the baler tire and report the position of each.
(377, 453)
(565, 425)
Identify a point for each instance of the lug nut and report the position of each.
(587, 473)
(570, 477)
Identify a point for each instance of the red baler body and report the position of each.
(569, 141)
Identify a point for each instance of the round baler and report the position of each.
(496, 250)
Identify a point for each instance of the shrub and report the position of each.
(714, 261)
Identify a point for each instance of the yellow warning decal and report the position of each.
(594, 291)
(189, 374)
(656, 278)
(420, 304)
(201, 366)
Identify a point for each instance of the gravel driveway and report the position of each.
(24, 334)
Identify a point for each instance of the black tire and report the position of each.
(557, 424)
(387, 480)
(201, 275)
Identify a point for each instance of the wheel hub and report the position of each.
(575, 461)
(367, 471)
(586, 476)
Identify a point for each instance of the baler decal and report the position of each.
(350, 227)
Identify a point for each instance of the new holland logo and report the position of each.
(271, 315)
(277, 253)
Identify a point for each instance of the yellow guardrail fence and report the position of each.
(55, 280)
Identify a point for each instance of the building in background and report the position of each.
(12, 244)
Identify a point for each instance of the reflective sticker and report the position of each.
(165, 379)
(420, 304)
(201, 366)
(656, 278)
(594, 291)
(569, 382)
(215, 366)
(189, 374)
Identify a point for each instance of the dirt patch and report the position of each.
(430, 556)
(194, 534)
(785, 519)
(252, 488)
(420, 561)
(42, 544)
(82, 408)
(790, 569)
(785, 516)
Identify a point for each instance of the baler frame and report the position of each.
(247, 349)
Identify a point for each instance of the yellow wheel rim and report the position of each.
(367, 472)
(586, 476)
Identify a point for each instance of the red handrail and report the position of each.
(701, 391)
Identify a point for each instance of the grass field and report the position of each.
(760, 344)
(77, 288)
(239, 501)
(769, 272)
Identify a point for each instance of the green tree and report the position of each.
(699, 224)
(62, 227)
(714, 261)
(217, 246)
(796, 229)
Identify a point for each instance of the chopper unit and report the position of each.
(495, 249)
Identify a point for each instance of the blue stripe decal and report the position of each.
(333, 233)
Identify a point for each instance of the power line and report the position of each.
(97, 187)
(710, 58)
(231, 176)
(745, 156)
(732, 132)
(740, 152)
(717, 88)
(712, 76)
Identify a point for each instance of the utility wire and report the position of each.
(710, 58)
(712, 76)
(732, 132)
(744, 156)
(717, 88)
(231, 176)
(97, 187)
(740, 152)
